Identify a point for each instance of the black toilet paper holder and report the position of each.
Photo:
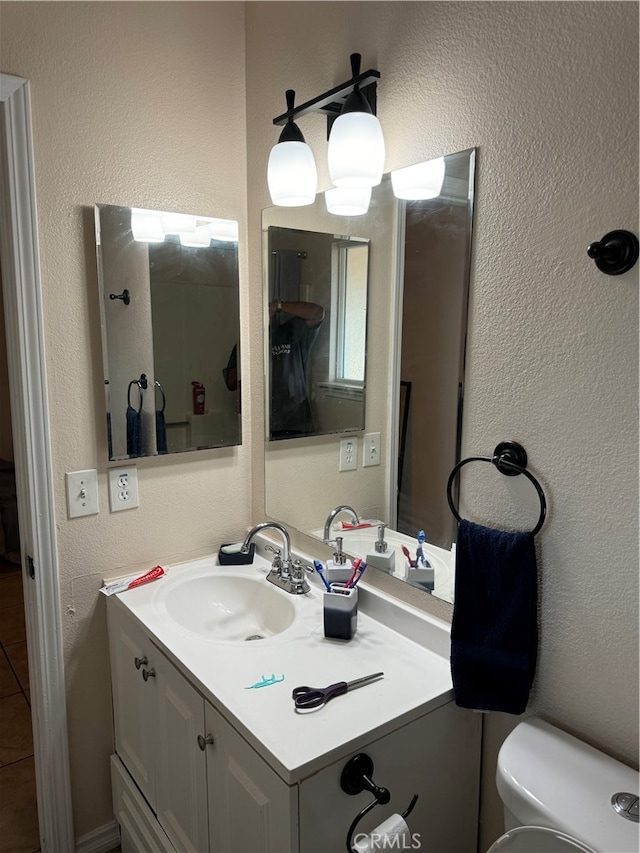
(357, 776)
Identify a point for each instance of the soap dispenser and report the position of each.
(382, 557)
(339, 569)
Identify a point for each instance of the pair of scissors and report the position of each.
(313, 697)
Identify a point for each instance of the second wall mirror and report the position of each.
(170, 330)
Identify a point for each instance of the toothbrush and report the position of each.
(356, 566)
(358, 574)
(320, 570)
(405, 551)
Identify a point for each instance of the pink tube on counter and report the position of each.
(133, 581)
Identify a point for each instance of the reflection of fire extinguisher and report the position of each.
(198, 398)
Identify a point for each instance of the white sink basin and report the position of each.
(227, 607)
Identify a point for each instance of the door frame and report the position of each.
(33, 464)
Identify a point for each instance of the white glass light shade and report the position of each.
(224, 230)
(356, 151)
(292, 174)
(200, 237)
(178, 223)
(348, 201)
(422, 181)
(146, 226)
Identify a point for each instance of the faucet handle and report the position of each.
(298, 580)
(277, 562)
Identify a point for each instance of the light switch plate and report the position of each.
(82, 493)
(371, 449)
(123, 488)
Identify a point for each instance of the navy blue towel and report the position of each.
(494, 631)
(161, 432)
(134, 432)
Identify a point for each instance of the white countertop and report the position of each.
(415, 663)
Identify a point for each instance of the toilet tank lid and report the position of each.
(548, 777)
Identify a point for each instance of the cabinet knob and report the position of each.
(141, 661)
(148, 673)
(203, 741)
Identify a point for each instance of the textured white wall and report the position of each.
(144, 103)
(136, 104)
(548, 92)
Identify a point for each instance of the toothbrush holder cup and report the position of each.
(340, 612)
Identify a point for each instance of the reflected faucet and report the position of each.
(284, 574)
(334, 512)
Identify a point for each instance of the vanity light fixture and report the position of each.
(419, 182)
(291, 174)
(348, 201)
(356, 143)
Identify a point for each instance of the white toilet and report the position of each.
(559, 795)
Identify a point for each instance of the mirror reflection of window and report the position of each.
(349, 317)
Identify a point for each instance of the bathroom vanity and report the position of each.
(211, 754)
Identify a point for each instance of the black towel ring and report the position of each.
(510, 458)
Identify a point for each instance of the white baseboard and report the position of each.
(102, 840)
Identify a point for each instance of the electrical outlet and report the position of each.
(348, 454)
(82, 493)
(123, 488)
(371, 449)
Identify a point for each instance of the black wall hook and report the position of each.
(616, 253)
(125, 296)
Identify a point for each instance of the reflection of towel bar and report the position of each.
(510, 458)
(142, 384)
(302, 255)
(139, 384)
(164, 399)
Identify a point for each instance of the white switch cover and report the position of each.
(123, 488)
(82, 493)
(348, 454)
(371, 449)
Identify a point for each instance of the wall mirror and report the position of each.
(170, 329)
(317, 298)
(419, 268)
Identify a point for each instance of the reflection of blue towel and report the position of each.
(494, 632)
(134, 432)
(286, 276)
(161, 432)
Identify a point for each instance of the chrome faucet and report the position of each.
(334, 512)
(284, 573)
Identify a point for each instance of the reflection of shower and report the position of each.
(284, 276)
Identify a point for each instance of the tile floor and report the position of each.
(18, 811)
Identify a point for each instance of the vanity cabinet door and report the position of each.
(134, 699)
(251, 810)
(181, 776)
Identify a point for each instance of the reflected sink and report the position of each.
(228, 607)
